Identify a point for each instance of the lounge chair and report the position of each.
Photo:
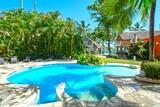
(38, 60)
(2, 60)
(27, 59)
(14, 59)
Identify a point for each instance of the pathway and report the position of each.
(130, 92)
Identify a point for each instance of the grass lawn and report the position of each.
(123, 61)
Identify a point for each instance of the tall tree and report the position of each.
(128, 8)
(105, 21)
(137, 27)
(83, 28)
(151, 31)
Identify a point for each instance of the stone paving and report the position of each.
(130, 92)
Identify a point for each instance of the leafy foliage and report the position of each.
(90, 59)
(106, 31)
(39, 35)
(137, 27)
(151, 69)
(140, 50)
(125, 10)
(113, 56)
(121, 11)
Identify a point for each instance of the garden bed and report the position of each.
(147, 80)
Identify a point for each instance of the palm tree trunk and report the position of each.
(109, 47)
(35, 3)
(21, 3)
(151, 31)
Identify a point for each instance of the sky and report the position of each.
(76, 9)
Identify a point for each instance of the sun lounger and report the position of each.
(2, 60)
(14, 59)
(27, 59)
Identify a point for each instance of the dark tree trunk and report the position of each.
(109, 46)
(151, 31)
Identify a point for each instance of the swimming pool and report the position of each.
(119, 70)
(79, 79)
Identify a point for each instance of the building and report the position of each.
(93, 46)
(157, 45)
(127, 38)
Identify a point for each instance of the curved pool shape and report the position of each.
(82, 82)
(119, 70)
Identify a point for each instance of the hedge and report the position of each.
(151, 69)
(90, 59)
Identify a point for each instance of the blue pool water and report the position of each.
(79, 79)
(116, 70)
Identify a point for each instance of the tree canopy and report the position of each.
(39, 35)
(122, 13)
(106, 30)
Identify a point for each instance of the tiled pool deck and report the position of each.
(130, 92)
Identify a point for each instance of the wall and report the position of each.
(157, 45)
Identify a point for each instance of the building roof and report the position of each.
(89, 42)
(140, 35)
(97, 45)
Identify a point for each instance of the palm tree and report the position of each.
(126, 9)
(83, 28)
(147, 8)
(107, 22)
(137, 27)
(151, 31)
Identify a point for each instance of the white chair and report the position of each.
(14, 59)
(27, 59)
(2, 60)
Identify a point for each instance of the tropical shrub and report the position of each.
(39, 35)
(3, 50)
(113, 56)
(151, 69)
(90, 59)
(140, 50)
(83, 58)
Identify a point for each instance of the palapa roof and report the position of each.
(94, 43)
(140, 35)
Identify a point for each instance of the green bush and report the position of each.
(83, 59)
(90, 59)
(151, 69)
(140, 50)
(113, 56)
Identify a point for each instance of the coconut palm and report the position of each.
(137, 27)
(126, 9)
(83, 28)
(151, 30)
(107, 23)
